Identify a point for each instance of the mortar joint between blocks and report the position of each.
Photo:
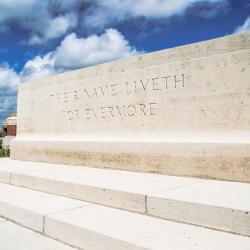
(43, 232)
(146, 204)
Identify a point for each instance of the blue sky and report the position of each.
(45, 37)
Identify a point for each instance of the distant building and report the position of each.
(9, 130)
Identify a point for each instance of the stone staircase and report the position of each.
(90, 208)
(175, 113)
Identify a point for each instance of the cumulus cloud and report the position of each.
(80, 52)
(103, 12)
(74, 53)
(44, 20)
(48, 19)
(16, 8)
(54, 28)
(244, 27)
(9, 81)
(38, 67)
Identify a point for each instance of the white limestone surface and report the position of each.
(2, 219)
(28, 207)
(202, 49)
(185, 116)
(14, 237)
(126, 190)
(215, 204)
(5, 174)
(91, 227)
(103, 228)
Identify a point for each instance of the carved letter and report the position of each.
(87, 110)
(166, 80)
(95, 93)
(133, 110)
(113, 89)
(76, 95)
(110, 108)
(155, 84)
(103, 115)
(65, 95)
(142, 109)
(176, 81)
(77, 114)
(101, 90)
(85, 90)
(152, 109)
(93, 111)
(70, 115)
(144, 86)
(127, 89)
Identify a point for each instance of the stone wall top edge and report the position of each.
(216, 46)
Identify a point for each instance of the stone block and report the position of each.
(214, 204)
(4, 177)
(186, 116)
(103, 228)
(28, 207)
(14, 237)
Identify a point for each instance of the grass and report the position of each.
(4, 153)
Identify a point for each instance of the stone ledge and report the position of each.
(189, 200)
(94, 227)
(224, 161)
(14, 237)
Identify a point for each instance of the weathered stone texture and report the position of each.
(183, 111)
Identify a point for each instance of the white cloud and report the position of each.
(38, 67)
(38, 17)
(9, 81)
(8, 78)
(104, 12)
(80, 52)
(60, 25)
(55, 28)
(74, 53)
(244, 27)
(47, 19)
(16, 8)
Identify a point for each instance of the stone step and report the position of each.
(28, 207)
(94, 227)
(14, 237)
(214, 204)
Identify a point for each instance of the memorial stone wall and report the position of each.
(183, 111)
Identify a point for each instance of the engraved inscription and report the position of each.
(81, 98)
(150, 85)
(109, 112)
